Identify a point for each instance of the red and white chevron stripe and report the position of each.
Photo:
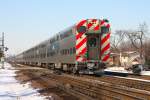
(93, 24)
(81, 41)
(105, 43)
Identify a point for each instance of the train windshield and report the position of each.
(92, 42)
(104, 29)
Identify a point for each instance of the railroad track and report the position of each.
(101, 88)
(145, 77)
(97, 89)
(124, 81)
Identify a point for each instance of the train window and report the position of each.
(81, 29)
(68, 50)
(71, 51)
(53, 53)
(43, 55)
(48, 54)
(57, 51)
(65, 52)
(74, 50)
(92, 42)
(52, 40)
(104, 29)
(66, 34)
(61, 52)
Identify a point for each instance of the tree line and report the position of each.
(133, 40)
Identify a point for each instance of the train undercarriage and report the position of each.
(90, 68)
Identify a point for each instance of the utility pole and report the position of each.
(2, 49)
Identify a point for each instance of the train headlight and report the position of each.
(90, 65)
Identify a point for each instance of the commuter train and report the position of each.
(82, 48)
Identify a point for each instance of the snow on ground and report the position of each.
(145, 73)
(11, 89)
(121, 69)
(116, 69)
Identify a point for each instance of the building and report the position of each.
(126, 59)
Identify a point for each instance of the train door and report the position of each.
(93, 46)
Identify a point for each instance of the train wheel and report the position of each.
(75, 70)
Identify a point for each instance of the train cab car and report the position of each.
(92, 45)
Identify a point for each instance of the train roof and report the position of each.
(47, 40)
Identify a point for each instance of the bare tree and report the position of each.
(117, 39)
(147, 50)
(137, 38)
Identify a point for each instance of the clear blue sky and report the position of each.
(28, 22)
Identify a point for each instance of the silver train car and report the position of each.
(82, 48)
